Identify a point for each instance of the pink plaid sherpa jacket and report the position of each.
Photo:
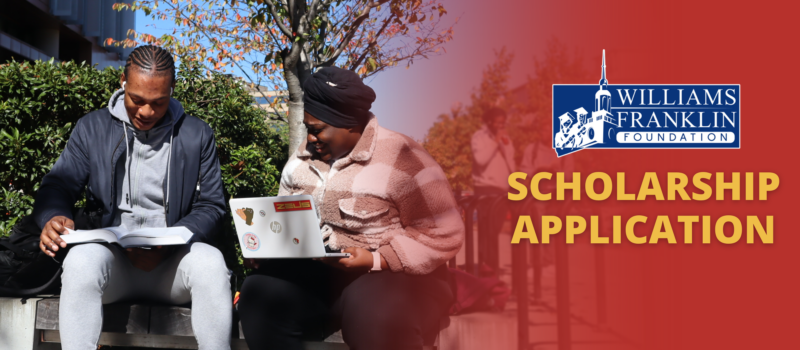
(387, 195)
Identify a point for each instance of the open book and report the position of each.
(145, 237)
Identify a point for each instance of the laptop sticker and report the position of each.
(246, 214)
(292, 206)
(251, 242)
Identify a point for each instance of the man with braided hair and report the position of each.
(142, 162)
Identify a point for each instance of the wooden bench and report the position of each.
(147, 326)
(33, 324)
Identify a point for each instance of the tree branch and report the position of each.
(271, 7)
(275, 39)
(312, 10)
(372, 43)
(352, 32)
(292, 56)
(203, 31)
(323, 35)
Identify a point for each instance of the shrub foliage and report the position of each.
(40, 103)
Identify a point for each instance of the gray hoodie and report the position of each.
(143, 182)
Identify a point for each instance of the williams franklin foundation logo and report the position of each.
(644, 116)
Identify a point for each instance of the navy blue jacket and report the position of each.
(89, 162)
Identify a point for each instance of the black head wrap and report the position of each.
(338, 97)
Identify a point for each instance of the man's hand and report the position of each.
(360, 260)
(502, 136)
(50, 239)
(147, 259)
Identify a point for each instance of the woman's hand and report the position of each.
(360, 260)
(251, 264)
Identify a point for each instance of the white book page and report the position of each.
(155, 232)
(153, 236)
(84, 236)
(118, 231)
(144, 237)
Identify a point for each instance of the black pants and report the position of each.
(287, 301)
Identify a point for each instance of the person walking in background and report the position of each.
(143, 162)
(492, 163)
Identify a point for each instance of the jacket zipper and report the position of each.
(114, 168)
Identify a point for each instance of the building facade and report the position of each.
(64, 30)
(267, 100)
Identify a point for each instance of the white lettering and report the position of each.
(620, 118)
(668, 118)
(636, 120)
(693, 96)
(701, 121)
(731, 97)
(715, 97)
(665, 99)
(627, 96)
(651, 98)
(729, 119)
(653, 119)
(686, 120)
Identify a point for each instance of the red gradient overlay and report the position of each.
(670, 296)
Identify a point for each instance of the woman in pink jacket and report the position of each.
(381, 198)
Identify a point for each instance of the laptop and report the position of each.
(283, 227)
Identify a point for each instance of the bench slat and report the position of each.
(151, 326)
(47, 314)
(118, 318)
(176, 342)
(133, 340)
(171, 320)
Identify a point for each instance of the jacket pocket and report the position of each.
(364, 208)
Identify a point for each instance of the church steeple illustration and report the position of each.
(602, 99)
(586, 129)
(603, 81)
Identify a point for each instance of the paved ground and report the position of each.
(619, 332)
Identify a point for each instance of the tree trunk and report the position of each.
(297, 131)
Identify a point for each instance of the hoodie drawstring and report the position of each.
(169, 163)
(127, 165)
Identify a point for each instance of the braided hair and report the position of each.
(151, 60)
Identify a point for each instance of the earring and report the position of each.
(170, 91)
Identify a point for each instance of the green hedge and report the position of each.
(40, 103)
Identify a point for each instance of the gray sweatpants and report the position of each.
(96, 274)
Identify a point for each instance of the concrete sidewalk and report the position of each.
(499, 330)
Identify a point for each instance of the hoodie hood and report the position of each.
(144, 183)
